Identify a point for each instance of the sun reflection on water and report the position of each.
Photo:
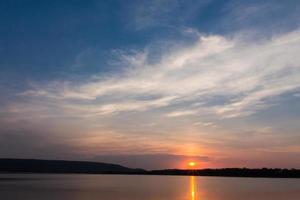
(192, 187)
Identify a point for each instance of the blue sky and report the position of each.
(159, 80)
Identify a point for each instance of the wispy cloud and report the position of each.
(247, 73)
(181, 113)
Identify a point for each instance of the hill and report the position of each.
(60, 166)
(8, 165)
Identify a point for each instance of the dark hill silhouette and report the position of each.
(60, 166)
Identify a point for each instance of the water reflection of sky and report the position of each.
(112, 187)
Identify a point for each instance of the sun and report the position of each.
(191, 164)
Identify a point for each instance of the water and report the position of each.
(129, 187)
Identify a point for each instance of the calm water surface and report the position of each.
(127, 187)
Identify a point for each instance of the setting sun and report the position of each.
(191, 164)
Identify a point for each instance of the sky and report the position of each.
(151, 84)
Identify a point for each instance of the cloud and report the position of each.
(246, 73)
(211, 124)
(181, 113)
